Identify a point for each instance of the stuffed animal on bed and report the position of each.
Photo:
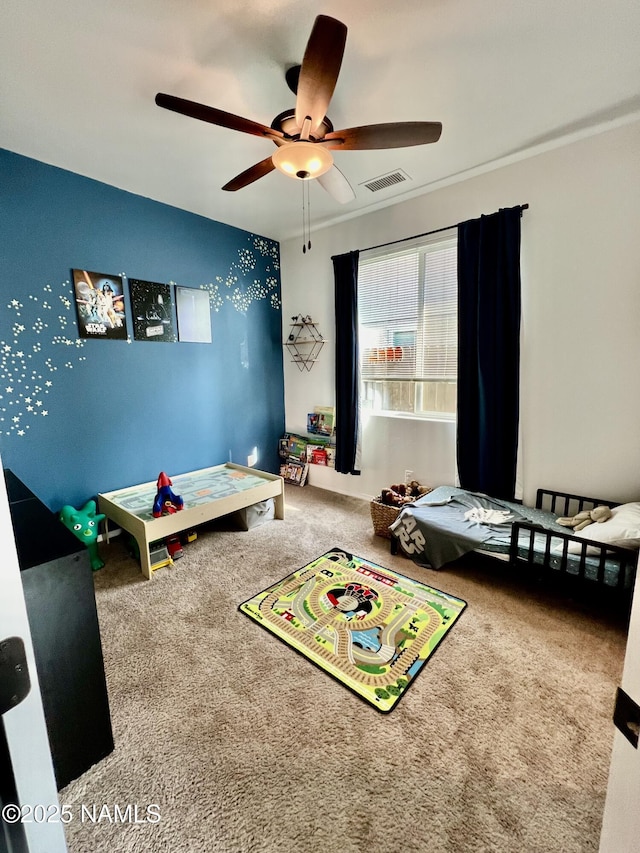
(586, 517)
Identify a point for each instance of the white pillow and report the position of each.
(623, 528)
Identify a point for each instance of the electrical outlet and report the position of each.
(408, 476)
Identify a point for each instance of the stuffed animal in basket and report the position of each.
(400, 494)
(585, 517)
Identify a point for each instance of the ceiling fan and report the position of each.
(305, 136)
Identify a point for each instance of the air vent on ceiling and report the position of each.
(388, 180)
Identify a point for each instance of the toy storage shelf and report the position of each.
(208, 493)
(304, 343)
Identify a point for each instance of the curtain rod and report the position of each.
(427, 233)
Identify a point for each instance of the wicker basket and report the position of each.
(382, 516)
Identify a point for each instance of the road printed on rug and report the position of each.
(367, 626)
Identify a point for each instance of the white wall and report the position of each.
(580, 409)
(621, 821)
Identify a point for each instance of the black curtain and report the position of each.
(345, 270)
(489, 352)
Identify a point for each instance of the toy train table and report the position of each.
(208, 493)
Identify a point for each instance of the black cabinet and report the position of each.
(61, 607)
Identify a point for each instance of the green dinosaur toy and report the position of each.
(83, 523)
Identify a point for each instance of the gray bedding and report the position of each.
(447, 523)
(434, 531)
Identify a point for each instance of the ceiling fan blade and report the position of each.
(320, 68)
(393, 135)
(214, 116)
(338, 187)
(250, 175)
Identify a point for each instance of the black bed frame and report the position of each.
(556, 544)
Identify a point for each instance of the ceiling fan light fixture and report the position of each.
(302, 160)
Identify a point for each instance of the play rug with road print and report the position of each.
(368, 627)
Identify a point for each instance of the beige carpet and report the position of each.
(502, 744)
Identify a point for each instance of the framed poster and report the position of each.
(194, 315)
(100, 307)
(152, 309)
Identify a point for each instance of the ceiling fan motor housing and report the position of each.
(286, 122)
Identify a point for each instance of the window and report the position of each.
(408, 327)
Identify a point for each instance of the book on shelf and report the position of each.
(321, 454)
(316, 454)
(294, 472)
(321, 421)
(292, 446)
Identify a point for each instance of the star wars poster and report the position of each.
(100, 305)
(152, 309)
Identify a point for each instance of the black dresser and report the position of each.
(61, 607)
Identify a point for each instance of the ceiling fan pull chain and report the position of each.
(304, 223)
(308, 216)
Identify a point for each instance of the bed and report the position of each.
(208, 493)
(450, 522)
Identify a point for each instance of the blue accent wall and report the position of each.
(82, 416)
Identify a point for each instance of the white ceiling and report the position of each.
(505, 77)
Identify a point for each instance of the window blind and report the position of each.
(407, 303)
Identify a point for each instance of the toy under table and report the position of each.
(208, 493)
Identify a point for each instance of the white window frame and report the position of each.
(372, 387)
